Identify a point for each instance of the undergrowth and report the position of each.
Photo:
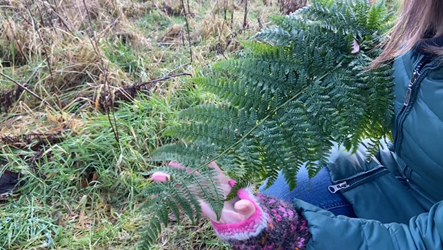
(83, 191)
(87, 89)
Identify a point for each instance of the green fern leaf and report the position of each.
(293, 92)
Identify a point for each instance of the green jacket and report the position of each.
(398, 196)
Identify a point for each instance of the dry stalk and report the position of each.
(34, 25)
(14, 36)
(260, 23)
(7, 98)
(232, 16)
(162, 79)
(89, 18)
(187, 27)
(25, 88)
(289, 6)
(128, 93)
(245, 18)
(108, 109)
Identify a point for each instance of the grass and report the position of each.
(83, 154)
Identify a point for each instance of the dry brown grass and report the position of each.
(73, 55)
(59, 48)
(67, 40)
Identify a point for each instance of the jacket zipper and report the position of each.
(405, 109)
(361, 178)
(415, 75)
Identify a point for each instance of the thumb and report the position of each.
(160, 177)
(245, 207)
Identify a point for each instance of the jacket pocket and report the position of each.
(374, 192)
(358, 179)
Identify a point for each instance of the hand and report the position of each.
(234, 210)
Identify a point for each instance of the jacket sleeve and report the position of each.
(424, 232)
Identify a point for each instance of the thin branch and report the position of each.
(93, 39)
(232, 15)
(62, 21)
(162, 79)
(87, 14)
(187, 27)
(34, 23)
(245, 18)
(189, 8)
(225, 10)
(179, 67)
(113, 124)
(25, 88)
(260, 23)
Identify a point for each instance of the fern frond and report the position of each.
(172, 197)
(294, 92)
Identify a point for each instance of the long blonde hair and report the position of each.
(419, 19)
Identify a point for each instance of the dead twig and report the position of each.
(108, 109)
(60, 18)
(245, 18)
(187, 27)
(89, 18)
(162, 79)
(232, 16)
(26, 89)
(9, 97)
(260, 23)
(34, 25)
(34, 141)
(179, 67)
(128, 93)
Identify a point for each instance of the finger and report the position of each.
(225, 183)
(177, 165)
(227, 216)
(355, 47)
(160, 177)
(215, 166)
(220, 174)
(207, 211)
(245, 207)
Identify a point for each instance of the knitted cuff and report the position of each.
(248, 228)
(275, 225)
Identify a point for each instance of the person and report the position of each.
(393, 201)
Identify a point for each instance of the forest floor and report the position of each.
(87, 89)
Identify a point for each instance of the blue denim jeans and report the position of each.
(314, 191)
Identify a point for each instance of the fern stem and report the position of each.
(249, 132)
(257, 125)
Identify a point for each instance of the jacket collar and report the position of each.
(420, 47)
